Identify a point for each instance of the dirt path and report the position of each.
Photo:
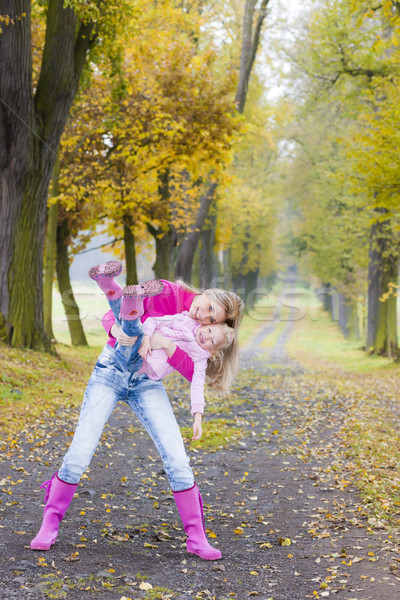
(288, 524)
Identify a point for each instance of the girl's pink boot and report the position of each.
(133, 296)
(190, 508)
(104, 276)
(57, 499)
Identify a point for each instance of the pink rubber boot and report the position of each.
(133, 296)
(104, 276)
(57, 499)
(190, 507)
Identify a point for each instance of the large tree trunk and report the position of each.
(188, 246)
(50, 253)
(71, 308)
(382, 271)
(130, 252)
(30, 130)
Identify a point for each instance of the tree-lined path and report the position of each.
(279, 501)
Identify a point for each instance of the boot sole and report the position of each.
(112, 268)
(42, 547)
(154, 287)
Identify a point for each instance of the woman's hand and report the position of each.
(121, 337)
(197, 430)
(158, 341)
(145, 347)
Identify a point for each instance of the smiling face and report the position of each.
(207, 311)
(211, 337)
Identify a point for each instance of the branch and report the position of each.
(63, 58)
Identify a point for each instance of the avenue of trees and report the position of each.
(344, 167)
(154, 122)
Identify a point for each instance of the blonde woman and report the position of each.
(110, 383)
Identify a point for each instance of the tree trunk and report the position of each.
(382, 271)
(352, 330)
(188, 246)
(348, 318)
(130, 252)
(250, 44)
(71, 308)
(50, 253)
(162, 264)
(30, 130)
(250, 285)
(208, 267)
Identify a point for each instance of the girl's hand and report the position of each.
(121, 337)
(145, 347)
(197, 430)
(158, 341)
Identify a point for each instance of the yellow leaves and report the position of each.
(238, 531)
(265, 545)
(285, 541)
(74, 556)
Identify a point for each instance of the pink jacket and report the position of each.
(181, 329)
(173, 299)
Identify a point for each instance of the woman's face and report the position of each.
(207, 311)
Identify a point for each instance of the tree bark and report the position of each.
(130, 252)
(71, 308)
(188, 246)
(208, 268)
(30, 130)
(250, 284)
(348, 318)
(250, 43)
(164, 240)
(382, 271)
(50, 253)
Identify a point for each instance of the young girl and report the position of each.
(109, 384)
(199, 342)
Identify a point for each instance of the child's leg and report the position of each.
(130, 313)
(104, 275)
(133, 296)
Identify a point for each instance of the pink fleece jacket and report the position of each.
(173, 299)
(181, 329)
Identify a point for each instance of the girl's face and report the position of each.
(206, 311)
(210, 337)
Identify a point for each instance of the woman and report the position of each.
(110, 382)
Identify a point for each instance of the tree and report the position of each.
(31, 124)
(253, 19)
(348, 60)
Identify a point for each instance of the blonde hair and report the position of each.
(230, 302)
(223, 366)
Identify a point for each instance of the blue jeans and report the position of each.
(127, 356)
(148, 400)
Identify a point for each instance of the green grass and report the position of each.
(217, 433)
(92, 306)
(316, 335)
(33, 385)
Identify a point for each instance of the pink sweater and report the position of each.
(181, 329)
(173, 299)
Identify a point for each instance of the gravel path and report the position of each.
(288, 524)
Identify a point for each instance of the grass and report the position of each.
(370, 384)
(33, 385)
(316, 335)
(217, 433)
